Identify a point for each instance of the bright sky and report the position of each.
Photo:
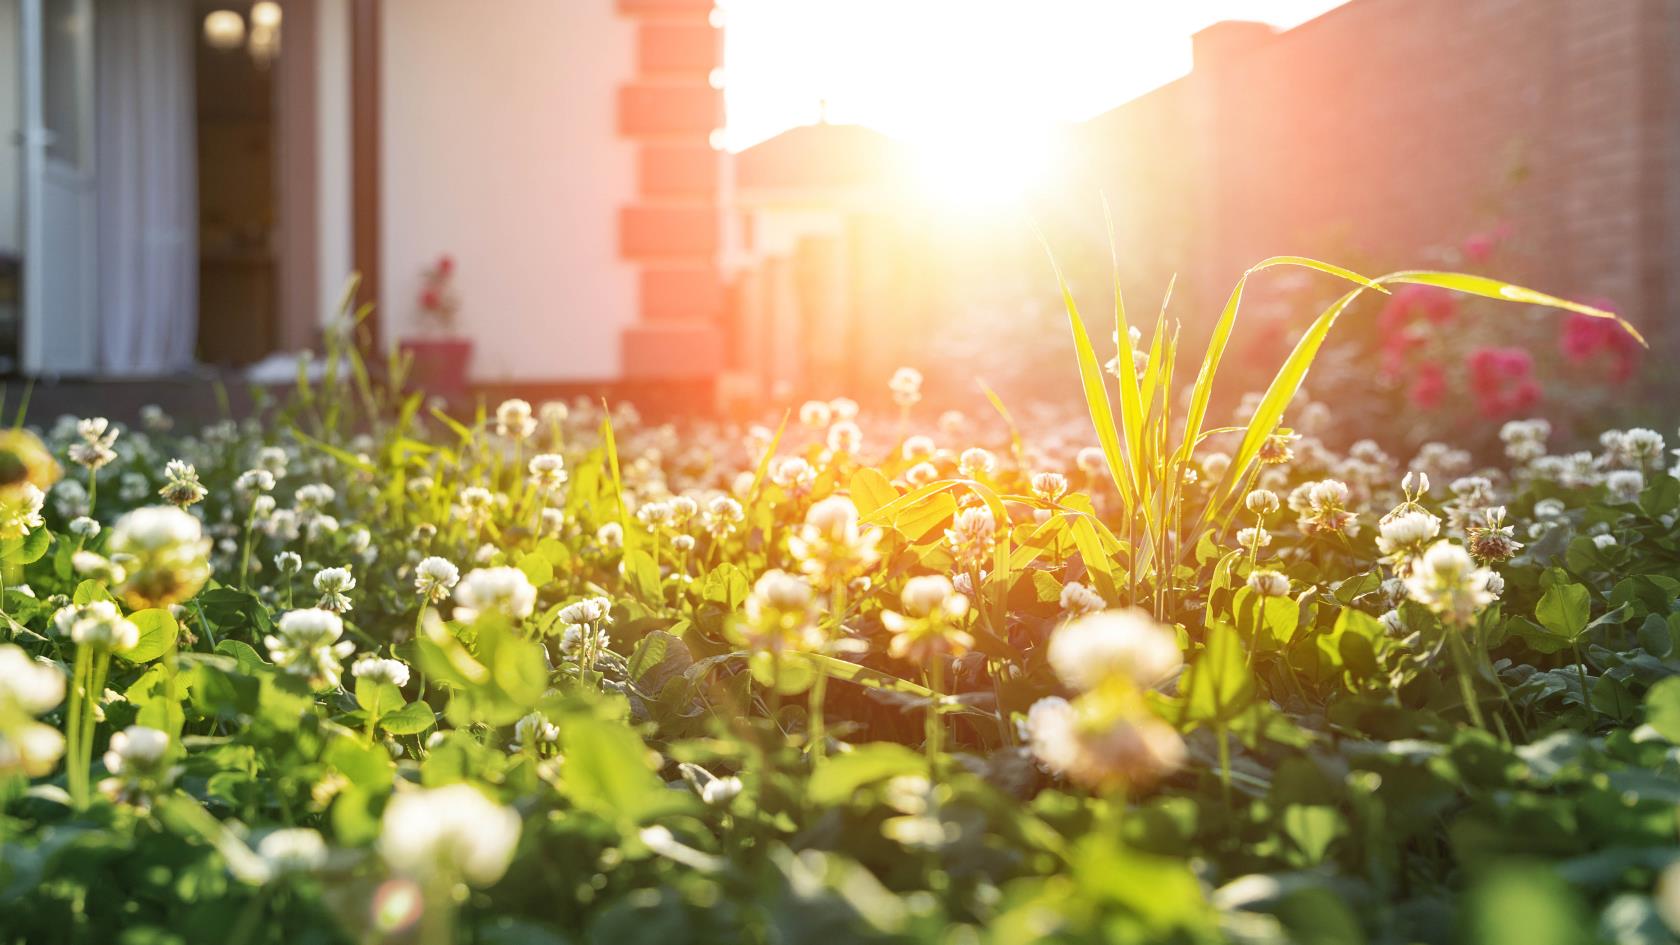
(932, 69)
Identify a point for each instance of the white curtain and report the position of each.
(148, 186)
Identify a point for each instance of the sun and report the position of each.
(985, 168)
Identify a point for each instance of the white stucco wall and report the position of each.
(11, 122)
(333, 204)
(500, 149)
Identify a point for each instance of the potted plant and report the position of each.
(438, 358)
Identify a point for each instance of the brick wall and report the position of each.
(1387, 127)
(671, 230)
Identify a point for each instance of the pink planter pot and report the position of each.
(438, 365)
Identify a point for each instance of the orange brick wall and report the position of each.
(671, 230)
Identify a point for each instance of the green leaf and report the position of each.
(870, 490)
(607, 771)
(368, 766)
(377, 697)
(838, 778)
(411, 719)
(1564, 611)
(1218, 686)
(537, 568)
(158, 632)
(1662, 708)
(643, 575)
(89, 591)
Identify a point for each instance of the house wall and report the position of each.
(11, 122)
(333, 205)
(499, 149)
(1387, 128)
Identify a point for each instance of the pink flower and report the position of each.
(1408, 303)
(1478, 247)
(1503, 381)
(1429, 386)
(1584, 338)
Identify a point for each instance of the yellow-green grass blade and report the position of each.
(1131, 400)
(1505, 292)
(1096, 393)
(1202, 393)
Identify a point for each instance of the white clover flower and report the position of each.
(98, 625)
(845, 437)
(84, 527)
(793, 474)
(1401, 536)
(830, 546)
(547, 472)
(452, 831)
(31, 749)
(314, 497)
(551, 521)
(534, 730)
(292, 850)
(1092, 649)
(514, 420)
(27, 685)
(165, 554)
(972, 536)
(918, 447)
(815, 414)
(1261, 502)
(1091, 461)
(136, 749)
(780, 614)
(844, 408)
(906, 386)
(273, 459)
(93, 449)
(976, 463)
(181, 487)
(1268, 583)
(931, 623)
(320, 526)
(253, 482)
(335, 585)
(1624, 485)
(724, 514)
(20, 510)
(1077, 600)
(654, 515)
(720, 791)
(1099, 748)
(306, 643)
(504, 590)
(434, 577)
(921, 474)
(1604, 541)
(288, 562)
(1253, 537)
(610, 535)
(1446, 580)
(1050, 486)
(376, 669)
(590, 610)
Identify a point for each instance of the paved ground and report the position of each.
(187, 396)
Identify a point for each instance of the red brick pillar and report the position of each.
(671, 230)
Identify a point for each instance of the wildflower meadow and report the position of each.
(363, 670)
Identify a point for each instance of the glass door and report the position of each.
(59, 266)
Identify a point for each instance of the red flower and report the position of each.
(1408, 303)
(1503, 381)
(1429, 386)
(1585, 338)
(430, 298)
(1478, 247)
(445, 264)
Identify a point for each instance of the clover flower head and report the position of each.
(1078, 599)
(451, 831)
(1127, 644)
(335, 585)
(502, 590)
(98, 625)
(306, 643)
(514, 420)
(378, 669)
(181, 487)
(1446, 580)
(434, 577)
